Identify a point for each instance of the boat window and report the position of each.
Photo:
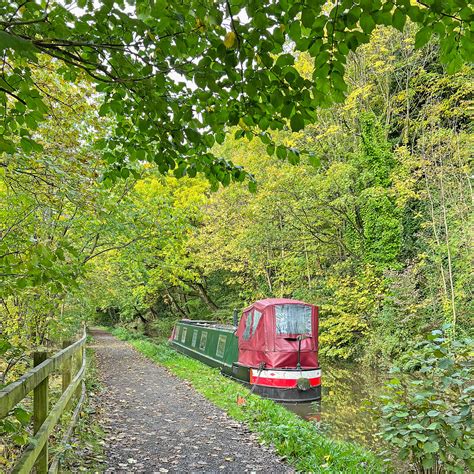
(248, 326)
(221, 345)
(203, 341)
(176, 333)
(183, 334)
(195, 338)
(293, 319)
(256, 318)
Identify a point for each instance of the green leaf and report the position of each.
(367, 23)
(285, 60)
(297, 122)
(239, 134)
(26, 144)
(4, 346)
(260, 20)
(22, 415)
(11, 41)
(295, 31)
(6, 146)
(422, 37)
(431, 447)
(455, 64)
(428, 462)
(22, 282)
(265, 138)
(398, 19)
(271, 149)
(314, 160)
(20, 438)
(220, 138)
(276, 98)
(293, 157)
(281, 152)
(125, 172)
(307, 17)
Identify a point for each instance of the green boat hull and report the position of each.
(211, 343)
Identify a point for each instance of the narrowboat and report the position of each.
(273, 348)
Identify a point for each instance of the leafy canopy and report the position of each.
(176, 75)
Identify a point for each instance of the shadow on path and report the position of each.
(155, 422)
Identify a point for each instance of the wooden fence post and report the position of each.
(40, 412)
(66, 372)
(78, 357)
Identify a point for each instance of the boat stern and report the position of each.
(287, 385)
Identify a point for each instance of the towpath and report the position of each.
(155, 422)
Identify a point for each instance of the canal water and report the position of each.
(344, 412)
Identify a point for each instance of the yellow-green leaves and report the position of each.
(230, 39)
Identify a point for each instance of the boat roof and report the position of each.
(262, 304)
(207, 324)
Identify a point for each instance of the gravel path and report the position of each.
(155, 422)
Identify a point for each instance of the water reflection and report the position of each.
(343, 412)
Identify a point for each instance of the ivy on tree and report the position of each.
(175, 76)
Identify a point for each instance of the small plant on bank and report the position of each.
(427, 414)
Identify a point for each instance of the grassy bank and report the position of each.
(299, 441)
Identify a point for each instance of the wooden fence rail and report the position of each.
(44, 420)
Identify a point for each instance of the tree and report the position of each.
(176, 75)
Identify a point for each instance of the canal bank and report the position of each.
(300, 442)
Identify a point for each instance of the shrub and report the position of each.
(427, 414)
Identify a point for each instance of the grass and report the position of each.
(300, 442)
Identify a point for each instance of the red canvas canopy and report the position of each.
(269, 329)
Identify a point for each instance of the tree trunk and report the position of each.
(199, 287)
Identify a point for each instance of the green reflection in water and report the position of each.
(343, 412)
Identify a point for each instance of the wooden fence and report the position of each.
(71, 360)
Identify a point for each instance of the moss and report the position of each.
(299, 441)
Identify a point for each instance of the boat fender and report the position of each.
(303, 384)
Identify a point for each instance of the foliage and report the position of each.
(348, 319)
(298, 440)
(427, 414)
(371, 225)
(14, 357)
(176, 76)
(14, 434)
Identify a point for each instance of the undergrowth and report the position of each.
(294, 438)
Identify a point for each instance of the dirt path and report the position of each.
(158, 423)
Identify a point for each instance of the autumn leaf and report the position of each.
(229, 39)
